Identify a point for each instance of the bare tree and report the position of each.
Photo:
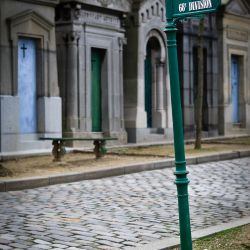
(200, 84)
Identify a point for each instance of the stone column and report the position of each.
(160, 111)
(122, 41)
(71, 88)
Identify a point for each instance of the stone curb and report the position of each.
(167, 244)
(35, 182)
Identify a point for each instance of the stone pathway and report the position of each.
(122, 212)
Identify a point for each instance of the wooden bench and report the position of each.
(59, 150)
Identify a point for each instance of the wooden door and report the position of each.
(235, 88)
(96, 95)
(148, 87)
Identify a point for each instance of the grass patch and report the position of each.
(232, 239)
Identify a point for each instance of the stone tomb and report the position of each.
(30, 106)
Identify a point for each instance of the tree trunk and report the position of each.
(200, 84)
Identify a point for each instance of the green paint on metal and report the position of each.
(188, 8)
(96, 93)
(180, 9)
(148, 87)
(181, 172)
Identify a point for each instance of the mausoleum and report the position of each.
(30, 105)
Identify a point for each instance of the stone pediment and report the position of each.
(30, 16)
(238, 7)
(29, 21)
(119, 5)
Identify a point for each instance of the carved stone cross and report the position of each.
(23, 48)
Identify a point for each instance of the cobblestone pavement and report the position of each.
(122, 212)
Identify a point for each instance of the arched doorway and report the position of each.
(148, 86)
(154, 70)
(96, 90)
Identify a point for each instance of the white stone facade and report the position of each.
(26, 19)
(234, 41)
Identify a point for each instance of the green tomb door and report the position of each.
(96, 93)
(235, 88)
(148, 87)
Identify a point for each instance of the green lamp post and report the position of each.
(177, 10)
(181, 172)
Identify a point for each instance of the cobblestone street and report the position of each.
(122, 212)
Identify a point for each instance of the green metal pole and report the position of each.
(181, 172)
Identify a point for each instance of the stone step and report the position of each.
(158, 131)
(34, 144)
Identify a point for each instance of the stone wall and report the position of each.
(187, 44)
(145, 34)
(234, 42)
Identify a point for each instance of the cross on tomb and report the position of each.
(23, 48)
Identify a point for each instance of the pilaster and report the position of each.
(71, 97)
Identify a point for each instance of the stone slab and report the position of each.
(20, 184)
(2, 187)
(219, 228)
(175, 242)
(229, 156)
(203, 159)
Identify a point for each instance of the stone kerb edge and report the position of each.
(35, 182)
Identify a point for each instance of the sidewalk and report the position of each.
(124, 212)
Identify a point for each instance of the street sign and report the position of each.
(188, 8)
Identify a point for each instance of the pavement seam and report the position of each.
(35, 182)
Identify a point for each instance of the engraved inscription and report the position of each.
(97, 18)
(237, 35)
